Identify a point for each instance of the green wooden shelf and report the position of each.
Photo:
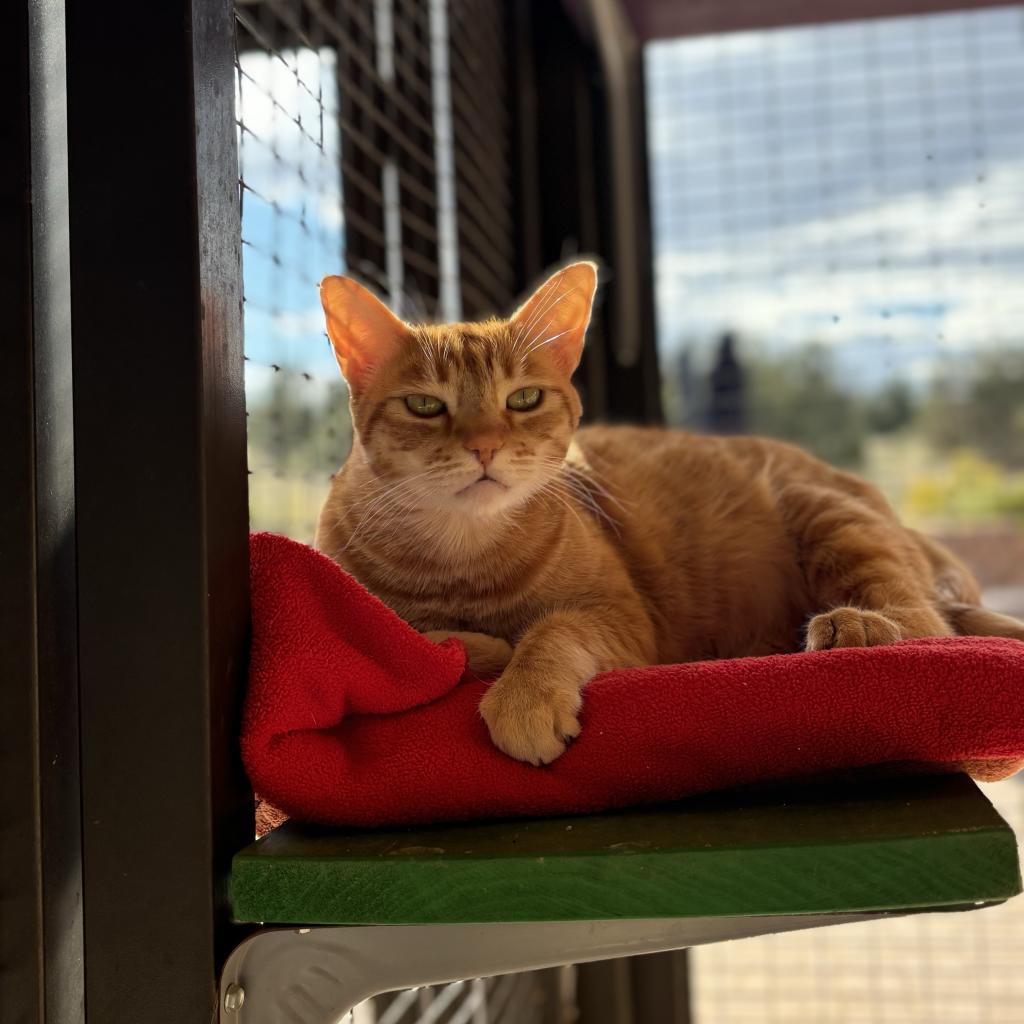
(862, 845)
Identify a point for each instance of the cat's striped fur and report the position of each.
(586, 550)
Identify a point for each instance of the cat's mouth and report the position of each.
(482, 484)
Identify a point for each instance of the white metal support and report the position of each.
(316, 975)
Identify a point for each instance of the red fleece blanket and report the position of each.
(353, 718)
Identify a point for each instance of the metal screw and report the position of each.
(234, 996)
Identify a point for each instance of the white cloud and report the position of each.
(289, 150)
(777, 283)
(305, 324)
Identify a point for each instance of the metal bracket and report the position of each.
(316, 975)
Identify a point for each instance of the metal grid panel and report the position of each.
(854, 186)
(337, 171)
(506, 999)
(373, 136)
(845, 202)
(293, 232)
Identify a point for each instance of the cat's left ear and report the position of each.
(364, 333)
(557, 314)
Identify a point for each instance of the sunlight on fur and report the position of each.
(473, 506)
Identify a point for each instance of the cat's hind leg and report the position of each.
(973, 620)
(863, 569)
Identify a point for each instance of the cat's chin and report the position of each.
(483, 496)
(482, 499)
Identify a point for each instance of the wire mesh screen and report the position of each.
(839, 231)
(373, 138)
(840, 235)
(528, 998)
(293, 232)
(846, 198)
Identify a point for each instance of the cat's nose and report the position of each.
(484, 447)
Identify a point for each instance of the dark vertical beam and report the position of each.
(583, 189)
(661, 987)
(604, 993)
(362, 145)
(418, 214)
(635, 990)
(21, 925)
(56, 593)
(524, 112)
(632, 352)
(40, 826)
(161, 496)
(560, 169)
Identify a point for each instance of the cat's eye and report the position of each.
(425, 405)
(524, 398)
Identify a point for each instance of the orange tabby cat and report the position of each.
(472, 506)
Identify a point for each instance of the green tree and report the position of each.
(891, 409)
(298, 428)
(796, 396)
(981, 407)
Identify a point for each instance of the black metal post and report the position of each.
(40, 824)
(21, 927)
(558, 165)
(573, 198)
(161, 497)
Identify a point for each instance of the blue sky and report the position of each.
(292, 223)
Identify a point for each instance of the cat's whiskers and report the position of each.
(550, 489)
(382, 523)
(364, 525)
(590, 502)
(579, 487)
(591, 478)
(376, 496)
(391, 499)
(425, 350)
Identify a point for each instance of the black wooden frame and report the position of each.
(41, 946)
(21, 938)
(161, 497)
(567, 185)
(123, 529)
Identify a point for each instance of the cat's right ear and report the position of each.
(364, 333)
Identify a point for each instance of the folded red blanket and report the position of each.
(353, 718)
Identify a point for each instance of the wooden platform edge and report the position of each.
(978, 866)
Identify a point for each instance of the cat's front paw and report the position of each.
(851, 627)
(530, 722)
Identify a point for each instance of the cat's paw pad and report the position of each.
(850, 627)
(531, 724)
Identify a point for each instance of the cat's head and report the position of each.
(469, 418)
